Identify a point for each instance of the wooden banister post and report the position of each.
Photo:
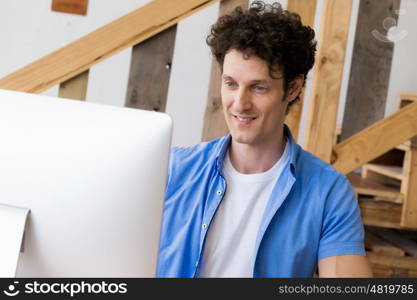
(327, 77)
(150, 70)
(409, 188)
(75, 88)
(307, 11)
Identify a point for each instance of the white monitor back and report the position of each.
(93, 177)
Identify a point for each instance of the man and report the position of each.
(253, 203)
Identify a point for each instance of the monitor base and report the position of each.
(12, 227)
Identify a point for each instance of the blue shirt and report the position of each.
(312, 213)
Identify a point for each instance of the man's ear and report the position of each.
(295, 87)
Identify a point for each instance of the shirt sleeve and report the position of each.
(342, 229)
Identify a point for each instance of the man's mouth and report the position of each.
(243, 120)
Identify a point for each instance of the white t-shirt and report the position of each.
(230, 242)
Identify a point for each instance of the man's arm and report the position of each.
(345, 266)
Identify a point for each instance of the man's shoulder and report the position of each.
(320, 179)
(311, 166)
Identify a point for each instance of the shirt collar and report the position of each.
(225, 144)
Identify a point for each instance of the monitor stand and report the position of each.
(12, 227)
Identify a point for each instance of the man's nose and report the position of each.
(242, 100)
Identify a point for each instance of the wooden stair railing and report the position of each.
(390, 177)
(371, 143)
(375, 140)
(79, 56)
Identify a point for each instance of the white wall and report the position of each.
(403, 75)
(188, 86)
(30, 30)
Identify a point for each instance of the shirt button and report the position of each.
(196, 263)
(204, 226)
(219, 192)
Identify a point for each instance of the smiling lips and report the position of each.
(243, 120)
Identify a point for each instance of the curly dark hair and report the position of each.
(269, 32)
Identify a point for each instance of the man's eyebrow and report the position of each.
(260, 81)
(227, 77)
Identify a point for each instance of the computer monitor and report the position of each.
(93, 177)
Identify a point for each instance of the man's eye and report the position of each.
(259, 88)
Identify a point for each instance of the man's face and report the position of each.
(253, 102)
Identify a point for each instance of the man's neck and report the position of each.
(256, 158)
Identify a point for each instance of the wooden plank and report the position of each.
(367, 93)
(376, 139)
(102, 43)
(214, 122)
(150, 70)
(293, 117)
(378, 246)
(409, 246)
(406, 98)
(74, 88)
(327, 77)
(401, 262)
(379, 271)
(381, 179)
(409, 188)
(382, 269)
(78, 7)
(404, 146)
(382, 214)
(307, 11)
(305, 8)
(390, 171)
(406, 95)
(380, 192)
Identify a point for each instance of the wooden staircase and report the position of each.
(388, 203)
(385, 186)
(392, 253)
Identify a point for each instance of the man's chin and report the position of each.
(242, 139)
